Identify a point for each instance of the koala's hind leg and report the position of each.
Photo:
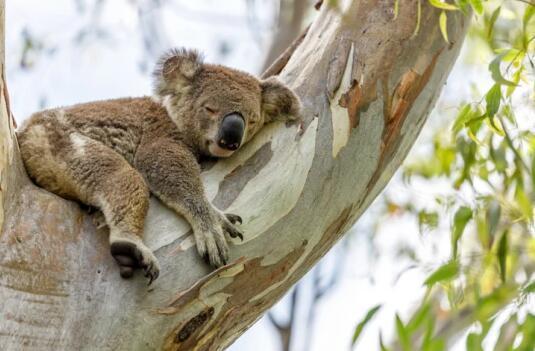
(77, 167)
(122, 195)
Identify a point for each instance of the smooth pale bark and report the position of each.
(367, 85)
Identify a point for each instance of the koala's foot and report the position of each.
(212, 246)
(130, 256)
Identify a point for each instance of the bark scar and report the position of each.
(396, 110)
(193, 324)
(340, 118)
(352, 100)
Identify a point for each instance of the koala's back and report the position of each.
(52, 141)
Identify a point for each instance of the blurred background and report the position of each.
(443, 259)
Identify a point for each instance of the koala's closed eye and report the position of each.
(211, 110)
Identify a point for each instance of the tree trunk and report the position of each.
(367, 85)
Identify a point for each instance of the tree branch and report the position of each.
(367, 86)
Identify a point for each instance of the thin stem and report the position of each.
(511, 146)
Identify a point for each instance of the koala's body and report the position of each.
(111, 154)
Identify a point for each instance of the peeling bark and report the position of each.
(367, 86)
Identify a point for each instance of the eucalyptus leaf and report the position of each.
(492, 21)
(362, 324)
(460, 220)
(403, 335)
(493, 98)
(502, 255)
(443, 23)
(477, 6)
(494, 68)
(445, 272)
(443, 5)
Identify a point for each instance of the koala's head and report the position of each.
(219, 108)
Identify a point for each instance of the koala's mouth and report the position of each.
(217, 151)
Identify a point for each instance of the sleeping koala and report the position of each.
(111, 154)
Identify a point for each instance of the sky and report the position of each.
(81, 56)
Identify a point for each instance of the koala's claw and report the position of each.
(233, 218)
(234, 232)
(129, 257)
(151, 273)
(228, 222)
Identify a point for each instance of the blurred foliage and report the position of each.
(487, 156)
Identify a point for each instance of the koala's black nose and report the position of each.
(231, 131)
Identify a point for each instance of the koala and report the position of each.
(112, 154)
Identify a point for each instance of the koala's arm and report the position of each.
(173, 175)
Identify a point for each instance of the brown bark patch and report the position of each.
(193, 324)
(357, 99)
(396, 109)
(241, 289)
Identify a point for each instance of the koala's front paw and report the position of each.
(130, 256)
(212, 246)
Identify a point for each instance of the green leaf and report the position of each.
(493, 217)
(396, 8)
(510, 55)
(516, 79)
(443, 23)
(419, 317)
(533, 171)
(445, 272)
(528, 333)
(403, 335)
(464, 116)
(460, 219)
(443, 5)
(436, 345)
(489, 305)
(523, 203)
(477, 6)
(529, 288)
(493, 98)
(502, 255)
(499, 157)
(362, 324)
(493, 18)
(427, 342)
(427, 220)
(495, 126)
(381, 343)
(473, 342)
(418, 18)
(494, 68)
(528, 14)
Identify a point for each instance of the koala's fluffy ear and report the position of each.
(279, 103)
(175, 66)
